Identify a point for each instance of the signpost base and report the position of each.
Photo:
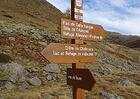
(78, 93)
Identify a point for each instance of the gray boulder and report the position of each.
(9, 85)
(49, 77)
(23, 86)
(34, 69)
(107, 95)
(12, 38)
(15, 72)
(35, 81)
(52, 68)
(43, 43)
(127, 83)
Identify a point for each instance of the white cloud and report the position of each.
(127, 26)
(117, 15)
(61, 4)
(118, 3)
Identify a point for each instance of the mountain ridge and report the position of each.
(125, 40)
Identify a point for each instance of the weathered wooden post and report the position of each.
(76, 9)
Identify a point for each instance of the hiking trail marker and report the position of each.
(80, 30)
(69, 53)
(80, 78)
(76, 53)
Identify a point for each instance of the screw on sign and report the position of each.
(80, 30)
(69, 53)
(80, 78)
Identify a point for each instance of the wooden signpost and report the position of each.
(69, 53)
(78, 93)
(80, 78)
(76, 53)
(80, 30)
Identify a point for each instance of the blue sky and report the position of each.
(114, 15)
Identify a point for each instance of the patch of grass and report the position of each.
(4, 58)
(134, 90)
(4, 74)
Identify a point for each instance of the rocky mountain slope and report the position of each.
(33, 12)
(129, 41)
(26, 28)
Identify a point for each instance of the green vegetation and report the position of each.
(4, 74)
(4, 58)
